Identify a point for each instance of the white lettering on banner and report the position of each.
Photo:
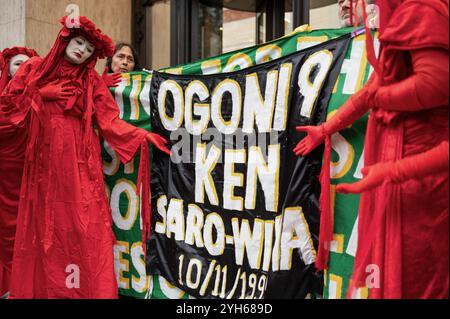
(322, 61)
(121, 265)
(118, 93)
(346, 155)
(252, 285)
(353, 241)
(211, 66)
(233, 179)
(124, 257)
(268, 174)
(134, 97)
(144, 97)
(282, 104)
(270, 240)
(175, 220)
(174, 122)
(296, 235)
(126, 187)
(199, 89)
(139, 283)
(214, 222)
(264, 112)
(267, 53)
(266, 243)
(234, 89)
(352, 67)
(256, 107)
(194, 226)
(248, 241)
(238, 61)
(305, 42)
(110, 168)
(203, 169)
(355, 67)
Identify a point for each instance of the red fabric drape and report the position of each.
(11, 167)
(403, 229)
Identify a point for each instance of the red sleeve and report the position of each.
(426, 88)
(124, 138)
(15, 103)
(352, 110)
(433, 162)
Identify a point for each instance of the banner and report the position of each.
(235, 212)
(132, 97)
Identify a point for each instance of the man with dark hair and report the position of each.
(345, 11)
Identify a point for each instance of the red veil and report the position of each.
(11, 167)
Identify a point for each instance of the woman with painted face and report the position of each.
(11, 166)
(10, 61)
(403, 227)
(124, 60)
(64, 238)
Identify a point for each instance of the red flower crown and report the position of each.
(83, 26)
(7, 54)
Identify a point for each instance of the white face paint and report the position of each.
(15, 62)
(79, 50)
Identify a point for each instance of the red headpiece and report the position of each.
(104, 46)
(5, 57)
(418, 24)
(83, 26)
(46, 70)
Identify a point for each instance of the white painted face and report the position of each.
(15, 62)
(79, 50)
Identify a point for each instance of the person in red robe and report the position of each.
(403, 238)
(64, 239)
(11, 166)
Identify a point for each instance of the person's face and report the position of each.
(344, 12)
(123, 61)
(16, 62)
(79, 50)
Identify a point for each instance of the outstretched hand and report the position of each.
(374, 176)
(159, 142)
(111, 80)
(315, 136)
(57, 91)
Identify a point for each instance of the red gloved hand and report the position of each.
(315, 137)
(159, 142)
(374, 176)
(434, 161)
(57, 91)
(111, 80)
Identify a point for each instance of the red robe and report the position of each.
(64, 223)
(12, 154)
(403, 229)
